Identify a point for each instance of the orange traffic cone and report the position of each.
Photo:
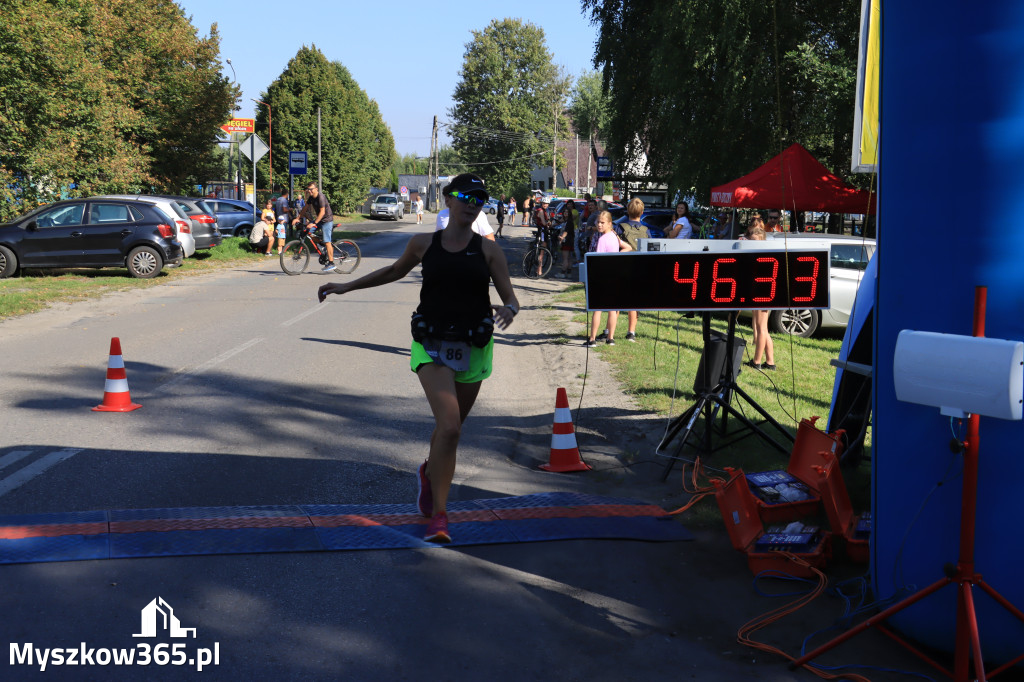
(115, 393)
(565, 455)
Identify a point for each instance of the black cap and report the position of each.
(467, 183)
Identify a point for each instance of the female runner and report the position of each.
(452, 344)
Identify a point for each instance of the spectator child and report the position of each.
(608, 242)
(282, 231)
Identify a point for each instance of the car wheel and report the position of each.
(794, 322)
(144, 262)
(242, 230)
(8, 262)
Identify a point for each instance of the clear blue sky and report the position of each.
(408, 61)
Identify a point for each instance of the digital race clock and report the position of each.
(741, 275)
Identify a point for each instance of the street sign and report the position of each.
(253, 147)
(403, 190)
(239, 125)
(298, 162)
(605, 169)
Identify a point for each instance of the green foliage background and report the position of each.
(711, 90)
(112, 96)
(358, 149)
(508, 95)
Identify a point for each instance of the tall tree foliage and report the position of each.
(357, 148)
(507, 101)
(110, 96)
(710, 91)
(590, 107)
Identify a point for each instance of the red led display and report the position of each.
(733, 280)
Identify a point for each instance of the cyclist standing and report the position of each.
(318, 210)
(540, 221)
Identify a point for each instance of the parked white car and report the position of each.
(849, 258)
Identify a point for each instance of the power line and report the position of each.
(491, 163)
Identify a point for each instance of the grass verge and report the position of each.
(658, 371)
(34, 290)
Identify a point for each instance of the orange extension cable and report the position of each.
(698, 491)
(755, 624)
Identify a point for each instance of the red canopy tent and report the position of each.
(793, 181)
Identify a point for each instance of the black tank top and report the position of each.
(456, 286)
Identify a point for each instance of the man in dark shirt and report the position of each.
(318, 210)
(282, 206)
(541, 222)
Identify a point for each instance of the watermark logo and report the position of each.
(158, 611)
(158, 620)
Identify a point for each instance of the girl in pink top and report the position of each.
(608, 242)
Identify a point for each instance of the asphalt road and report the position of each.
(255, 394)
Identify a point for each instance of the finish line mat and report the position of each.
(190, 531)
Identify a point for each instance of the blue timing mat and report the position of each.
(316, 528)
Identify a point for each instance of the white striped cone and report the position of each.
(115, 392)
(565, 455)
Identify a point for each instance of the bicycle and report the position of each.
(538, 257)
(297, 252)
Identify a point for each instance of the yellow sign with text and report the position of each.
(239, 125)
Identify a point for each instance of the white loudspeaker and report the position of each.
(960, 374)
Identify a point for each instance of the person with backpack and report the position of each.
(632, 231)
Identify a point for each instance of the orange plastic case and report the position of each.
(740, 511)
(812, 448)
(855, 530)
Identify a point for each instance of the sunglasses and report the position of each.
(773, 217)
(467, 198)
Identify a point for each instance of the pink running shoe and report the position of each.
(437, 529)
(424, 496)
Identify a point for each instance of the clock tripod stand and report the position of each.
(714, 394)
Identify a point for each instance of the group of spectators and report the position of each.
(313, 210)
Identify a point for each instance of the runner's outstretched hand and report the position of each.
(334, 288)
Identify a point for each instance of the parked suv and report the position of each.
(387, 206)
(234, 217)
(91, 233)
(204, 222)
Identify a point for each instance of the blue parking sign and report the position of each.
(297, 163)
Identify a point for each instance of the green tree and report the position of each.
(357, 147)
(719, 88)
(450, 162)
(410, 164)
(104, 97)
(507, 101)
(590, 110)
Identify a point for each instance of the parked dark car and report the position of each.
(659, 222)
(234, 217)
(91, 233)
(556, 207)
(204, 221)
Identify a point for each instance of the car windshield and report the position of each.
(386, 200)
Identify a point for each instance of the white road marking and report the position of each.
(13, 456)
(26, 474)
(315, 309)
(210, 364)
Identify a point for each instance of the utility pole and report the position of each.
(576, 168)
(437, 168)
(554, 147)
(431, 170)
